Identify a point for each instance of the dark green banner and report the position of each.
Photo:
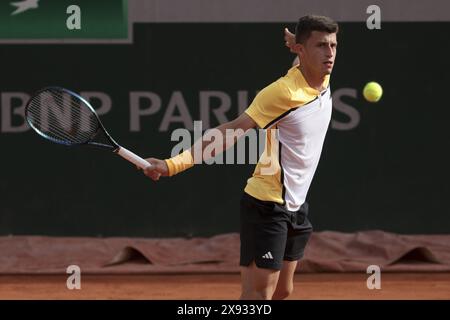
(383, 165)
(63, 19)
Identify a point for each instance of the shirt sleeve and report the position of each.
(269, 105)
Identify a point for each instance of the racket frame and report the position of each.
(114, 147)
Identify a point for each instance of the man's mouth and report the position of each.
(328, 63)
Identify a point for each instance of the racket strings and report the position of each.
(65, 125)
(74, 109)
(56, 131)
(62, 116)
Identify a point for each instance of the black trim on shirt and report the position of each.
(287, 112)
(279, 117)
(283, 189)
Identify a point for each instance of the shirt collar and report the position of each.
(301, 81)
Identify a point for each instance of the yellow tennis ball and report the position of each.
(372, 91)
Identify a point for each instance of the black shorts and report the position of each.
(270, 233)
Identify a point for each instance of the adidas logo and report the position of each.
(268, 255)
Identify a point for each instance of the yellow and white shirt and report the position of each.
(302, 115)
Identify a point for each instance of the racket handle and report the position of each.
(133, 158)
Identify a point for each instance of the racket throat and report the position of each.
(104, 141)
(103, 146)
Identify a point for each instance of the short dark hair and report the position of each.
(310, 23)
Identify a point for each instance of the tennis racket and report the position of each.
(64, 117)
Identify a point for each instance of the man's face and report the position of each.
(318, 52)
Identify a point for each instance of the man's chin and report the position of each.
(328, 71)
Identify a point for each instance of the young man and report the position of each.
(274, 223)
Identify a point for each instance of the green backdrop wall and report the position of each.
(384, 165)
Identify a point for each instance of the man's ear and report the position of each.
(298, 48)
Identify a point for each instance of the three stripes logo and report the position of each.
(268, 255)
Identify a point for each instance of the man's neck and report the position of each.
(314, 81)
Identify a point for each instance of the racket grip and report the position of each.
(133, 158)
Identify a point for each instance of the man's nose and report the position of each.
(330, 52)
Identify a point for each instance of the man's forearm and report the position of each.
(223, 137)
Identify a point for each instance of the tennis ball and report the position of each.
(372, 91)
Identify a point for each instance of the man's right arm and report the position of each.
(244, 122)
(164, 167)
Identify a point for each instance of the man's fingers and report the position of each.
(152, 173)
(149, 171)
(155, 169)
(156, 176)
(289, 38)
(288, 33)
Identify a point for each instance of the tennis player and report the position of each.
(274, 224)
